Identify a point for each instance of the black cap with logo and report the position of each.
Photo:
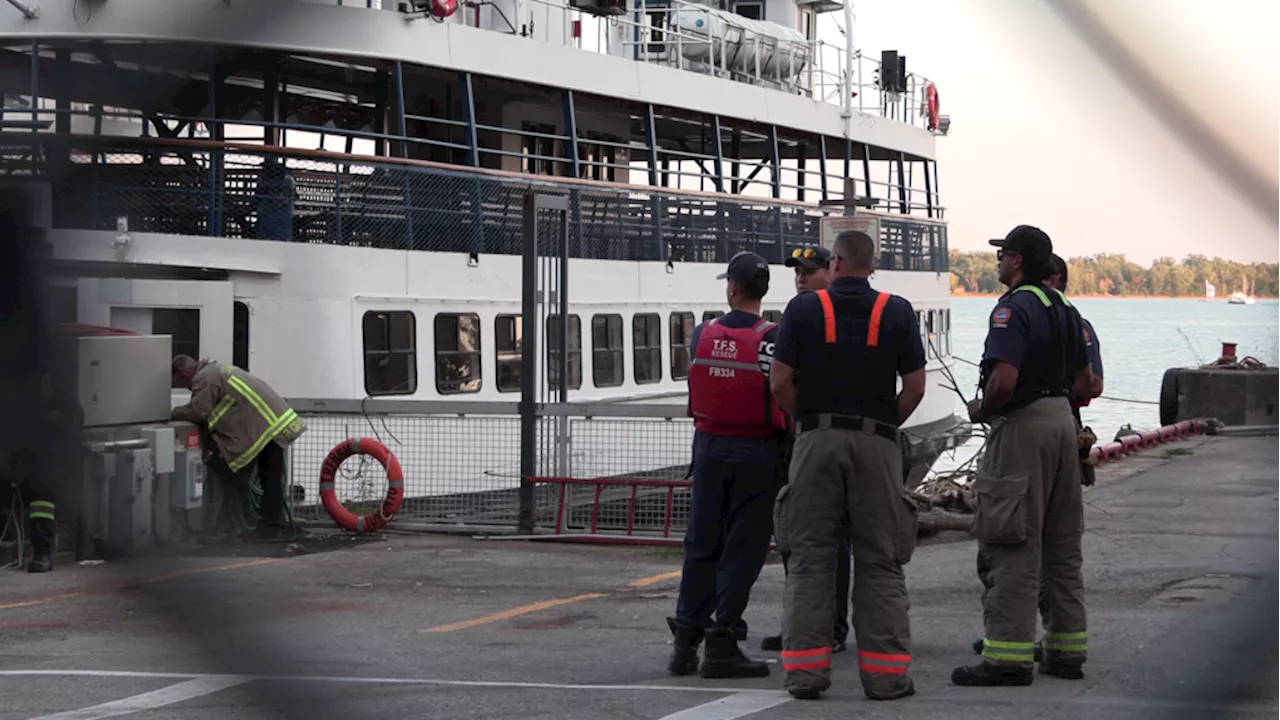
(813, 258)
(1032, 245)
(746, 268)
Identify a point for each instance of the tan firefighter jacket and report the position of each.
(242, 413)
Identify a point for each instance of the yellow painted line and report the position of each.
(144, 581)
(655, 579)
(513, 612)
(41, 601)
(547, 604)
(204, 571)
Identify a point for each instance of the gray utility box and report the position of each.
(119, 380)
(129, 500)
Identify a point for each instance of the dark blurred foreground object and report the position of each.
(39, 424)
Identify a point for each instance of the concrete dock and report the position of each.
(1181, 572)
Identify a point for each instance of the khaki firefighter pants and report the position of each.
(834, 471)
(1029, 524)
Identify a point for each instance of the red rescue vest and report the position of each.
(728, 392)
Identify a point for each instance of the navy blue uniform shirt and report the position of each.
(847, 379)
(722, 447)
(1095, 350)
(1018, 333)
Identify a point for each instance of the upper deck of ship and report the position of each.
(779, 72)
(317, 122)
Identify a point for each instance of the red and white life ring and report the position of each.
(931, 105)
(395, 485)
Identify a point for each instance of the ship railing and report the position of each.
(595, 471)
(191, 187)
(600, 469)
(899, 194)
(819, 71)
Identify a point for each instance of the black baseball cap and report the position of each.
(1031, 243)
(813, 257)
(746, 267)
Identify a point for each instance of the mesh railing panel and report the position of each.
(465, 469)
(243, 193)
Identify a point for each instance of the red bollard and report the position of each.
(1229, 350)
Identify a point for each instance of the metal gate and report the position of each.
(545, 304)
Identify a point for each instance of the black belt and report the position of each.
(847, 422)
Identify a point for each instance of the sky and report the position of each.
(1042, 132)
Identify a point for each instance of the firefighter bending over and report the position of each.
(835, 371)
(249, 424)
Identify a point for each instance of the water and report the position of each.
(1140, 339)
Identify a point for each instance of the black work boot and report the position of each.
(723, 658)
(978, 645)
(986, 674)
(1065, 669)
(41, 561)
(684, 648)
(771, 643)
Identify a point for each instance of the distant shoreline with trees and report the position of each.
(973, 274)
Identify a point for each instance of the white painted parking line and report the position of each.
(391, 681)
(181, 692)
(738, 705)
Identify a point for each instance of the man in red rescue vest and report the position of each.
(736, 452)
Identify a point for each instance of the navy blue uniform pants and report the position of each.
(730, 526)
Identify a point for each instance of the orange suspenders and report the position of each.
(829, 317)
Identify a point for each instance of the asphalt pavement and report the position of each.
(1181, 574)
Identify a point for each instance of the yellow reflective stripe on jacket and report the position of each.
(1008, 651)
(254, 398)
(225, 404)
(42, 510)
(270, 434)
(1044, 298)
(1076, 642)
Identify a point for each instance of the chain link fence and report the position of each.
(189, 188)
(461, 463)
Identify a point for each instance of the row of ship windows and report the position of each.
(391, 352)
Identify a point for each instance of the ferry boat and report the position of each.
(329, 193)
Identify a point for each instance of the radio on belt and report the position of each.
(186, 489)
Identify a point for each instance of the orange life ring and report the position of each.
(395, 485)
(931, 104)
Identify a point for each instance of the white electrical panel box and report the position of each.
(186, 484)
(120, 380)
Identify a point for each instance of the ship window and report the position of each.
(931, 329)
(606, 350)
(539, 151)
(920, 328)
(681, 337)
(240, 335)
(712, 315)
(553, 352)
(390, 353)
(753, 10)
(183, 327)
(772, 316)
(946, 329)
(646, 347)
(507, 346)
(457, 353)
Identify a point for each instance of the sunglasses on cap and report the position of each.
(806, 253)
